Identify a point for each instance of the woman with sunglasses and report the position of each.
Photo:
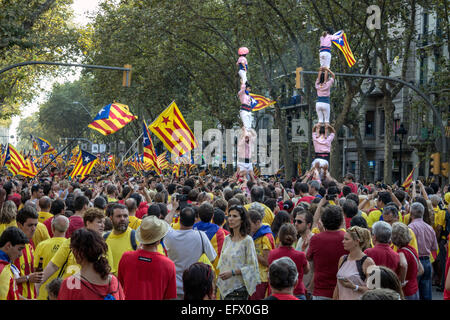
(238, 263)
(353, 268)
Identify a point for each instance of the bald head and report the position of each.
(131, 204)
(45, 203)
(60, 224)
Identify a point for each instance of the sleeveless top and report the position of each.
(349, 270)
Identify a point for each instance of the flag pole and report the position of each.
(129, 149)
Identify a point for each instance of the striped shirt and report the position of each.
(25, 264)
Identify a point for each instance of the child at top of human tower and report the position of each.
(325, 47)
(242, 64)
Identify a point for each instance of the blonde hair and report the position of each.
(362, 235)
(8, 212)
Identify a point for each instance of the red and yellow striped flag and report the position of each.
(163, 163)
(171, 128)
(150, 158)
(176, 170)
(259, 102)
(29, 170)
(112, 118)
(84, 164)
(342, 44)
(14, 161)
(407, 183)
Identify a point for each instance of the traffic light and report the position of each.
(126, 82)
(435, 164)
(298, 83)
(444, 169)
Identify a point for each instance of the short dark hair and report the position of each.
(100, 202)
(57, 206)
(35, 187)
(13, 235)
(353, 196)
(198, 281)
(219, 216)
(221, 204)
(137, 197)
(80, 202)
(27, 212)
(283, 273)
(384, 197)
(359, 221)
(190, 182)
(163, 208)
(115, 206)
(154, 210)
(187, 216)
(350, 208)
(254, 216)
(271, 203)
(257, 194)
(332, 217)
(346, 190)
(206, 212)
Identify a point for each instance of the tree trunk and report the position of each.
(388, 138)
(362, 156)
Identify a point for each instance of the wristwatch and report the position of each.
(356, 288)
(28, 278)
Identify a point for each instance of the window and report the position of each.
(370, 124)
(382, 122)
(423, 70)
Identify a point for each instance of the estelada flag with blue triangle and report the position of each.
(44, 146)
(112, 118)
(84, 164)
(259, 102)
(342, 44)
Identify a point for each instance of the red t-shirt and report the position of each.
(75, 222)
(447, 292)
(347, 222)
(284, 296)
(48, 224)
(411, 275)
(300, 261)
(147, 276)
(142, 210)
(305, 199)
(325, 250)
(383, 255)
(74, 288)
(353, 187)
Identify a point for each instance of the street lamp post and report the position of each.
(82, 105)
(401, 132)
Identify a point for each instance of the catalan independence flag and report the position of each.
(44, 146)
(34, 142)
(29, 170)
(216, 235)
(407, 183)
(259, 102)
(342, 44)
(163, 163)
(112, 118)
(176, 170)
(149, 150)
(171, 128)
(84, 164)
(14, 161)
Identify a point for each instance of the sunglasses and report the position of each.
(298, 221)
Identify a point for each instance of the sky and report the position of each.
(81, 8)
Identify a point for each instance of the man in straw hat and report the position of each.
(145, 274)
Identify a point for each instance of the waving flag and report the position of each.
(84, 164)
(407, 183)
(342, 44)
(44, 146)
(163, 163)
(29, 170)
(176, 170)
(35, 144)
(112, 118)
(171, 128)
(149, 150)
(259, 102)
(14, 160)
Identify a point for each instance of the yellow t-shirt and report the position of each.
(135, 222)
(40, 234)
(44, 216)
(439, 218)
(46, 249)
(64, 254)
(4, 226)
(268, 214)
(261, 244)
(373, 217)
(119, 243)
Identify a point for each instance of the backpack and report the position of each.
(359, 265)
(132, 238)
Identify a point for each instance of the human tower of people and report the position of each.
(206, 237)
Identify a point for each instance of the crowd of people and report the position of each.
(133, 237)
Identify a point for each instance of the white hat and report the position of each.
(151, 230)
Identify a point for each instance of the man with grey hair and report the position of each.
(382, 253)
(47, 249)
(314, 187)
(426, 243)
(283, 277)
(257, 197)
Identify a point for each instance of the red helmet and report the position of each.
(242, 51)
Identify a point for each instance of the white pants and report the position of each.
(322, 163)
(243, 75)
(323, 111)
(325, 59)
(247, 118)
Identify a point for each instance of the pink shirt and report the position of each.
(243, 97)
(323, 90)
(326, 41)
(242, 60)
(321, 144)
(244, 149)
